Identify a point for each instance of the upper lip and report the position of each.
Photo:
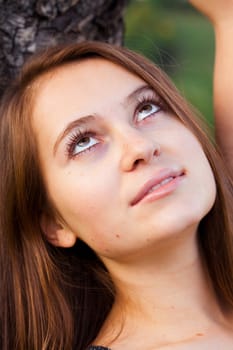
(159, 177)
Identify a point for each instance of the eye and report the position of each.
(84, 144)
(147, 109)
(81, 142)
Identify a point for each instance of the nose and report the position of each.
(137, 148)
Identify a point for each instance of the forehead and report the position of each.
(89, 87)
(95, 78)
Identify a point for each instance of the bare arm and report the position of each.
(220, 13)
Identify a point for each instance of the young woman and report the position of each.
(115, 211)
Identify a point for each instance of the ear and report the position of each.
(56, 234)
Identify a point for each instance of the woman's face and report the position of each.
(122, 172)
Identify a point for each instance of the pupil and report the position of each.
(147, 108)
(83, 141)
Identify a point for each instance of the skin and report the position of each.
(216, 10)
(128, 153)
(220, 13)
(129, 143)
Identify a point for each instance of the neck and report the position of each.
(167, 290)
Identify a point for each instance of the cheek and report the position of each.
(85, 201)
(204, 186)
(83, 198)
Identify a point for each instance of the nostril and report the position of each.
(137, 161)
(134, 154)
(157, 151)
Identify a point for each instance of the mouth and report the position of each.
(165, 182)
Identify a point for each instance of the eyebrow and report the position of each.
(82, 121)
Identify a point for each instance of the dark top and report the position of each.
(98, 348)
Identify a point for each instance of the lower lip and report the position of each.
(163, 190)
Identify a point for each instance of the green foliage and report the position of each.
(178, 39)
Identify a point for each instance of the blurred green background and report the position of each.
(178, 39)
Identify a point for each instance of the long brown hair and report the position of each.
(53, 298)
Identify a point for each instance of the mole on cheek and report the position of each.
(117, 235)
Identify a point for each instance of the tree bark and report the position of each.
(29, 25)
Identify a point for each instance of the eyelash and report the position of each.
(78, 135)
(153, 99)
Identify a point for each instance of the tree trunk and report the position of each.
(29, 25)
